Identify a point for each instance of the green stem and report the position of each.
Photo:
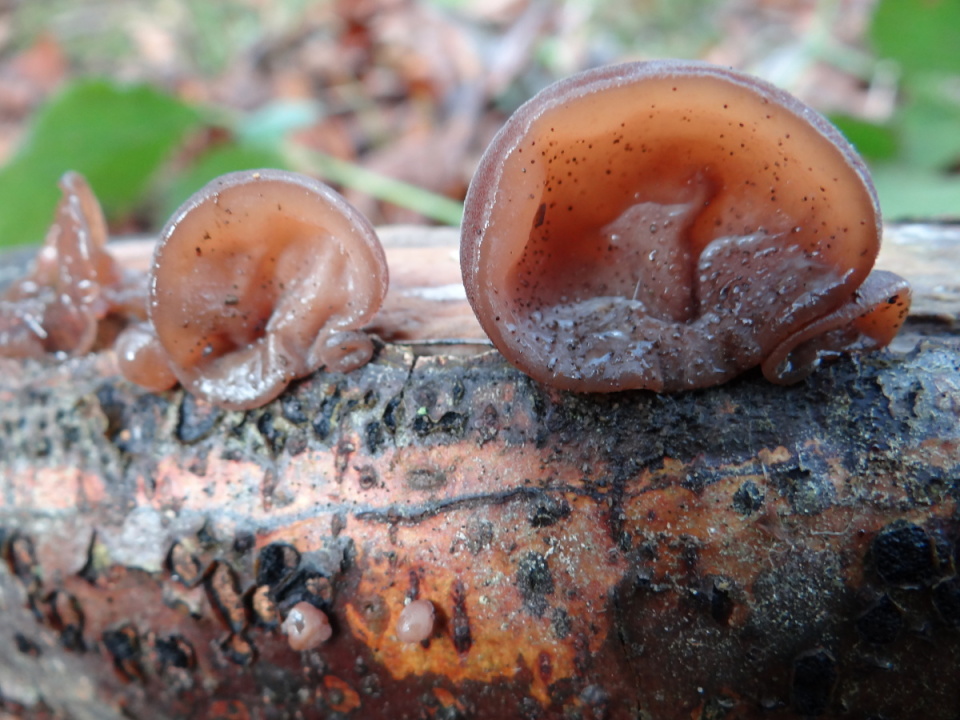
(429, 204)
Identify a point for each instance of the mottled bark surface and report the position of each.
(749, 551)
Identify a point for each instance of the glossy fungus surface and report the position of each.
(67, 303)
(668, 225)
(306, 627)
(416, 621)
(260, 278)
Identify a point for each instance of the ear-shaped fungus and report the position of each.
(668, 225)
(74, 288)
(260, 278)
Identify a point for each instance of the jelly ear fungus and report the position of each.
(669, 225)
(76, 296)
(260, 278)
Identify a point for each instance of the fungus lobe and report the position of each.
(66, 303)
(668, 225)
(259, 278)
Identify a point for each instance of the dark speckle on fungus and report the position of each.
(623, 232)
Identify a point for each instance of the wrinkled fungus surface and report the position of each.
(668, 225)
(306, 627)
(260, 278)
(75, 296)
(416, 621)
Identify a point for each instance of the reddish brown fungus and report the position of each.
(306, 627)
(260, 278)
(706, 223)
(76, 296)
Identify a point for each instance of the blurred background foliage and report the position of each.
(393, 101)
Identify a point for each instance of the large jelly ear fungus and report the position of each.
(668, 225)
(68, 301)
(259, 278)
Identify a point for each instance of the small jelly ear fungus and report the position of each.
(74, 288)
(416, 622)
(307, 627)
(669, 225)
(260, 278)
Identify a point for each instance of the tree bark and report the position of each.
(747, 551)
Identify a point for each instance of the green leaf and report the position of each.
(874, 142)
(921, 35)
(213, 163)
(930, 129)
(117, 136)
(908, 193)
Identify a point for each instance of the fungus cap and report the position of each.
(667, 225)
(262, 277)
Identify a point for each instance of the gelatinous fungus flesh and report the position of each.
(668, 225)
(306, 627)
(260, 278)
(416, 621)
(76, 296)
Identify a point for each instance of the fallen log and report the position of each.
(748, 551)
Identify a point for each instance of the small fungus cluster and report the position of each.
(307, 627)
(76, 296)
(660, 225)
